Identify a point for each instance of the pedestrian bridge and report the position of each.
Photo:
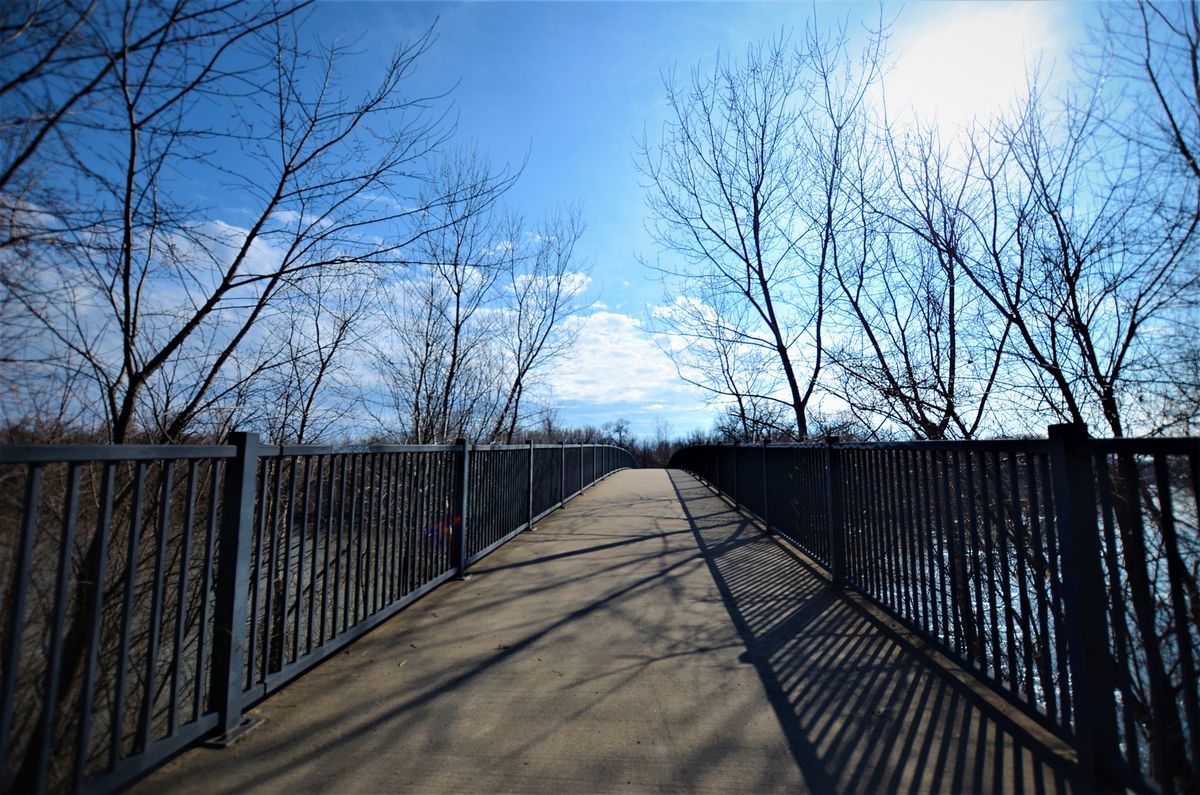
(648, 637)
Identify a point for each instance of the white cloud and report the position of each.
(616, 361)
(286, 217)
(292, 219)
(573, 282)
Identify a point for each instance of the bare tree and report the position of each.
(64, 60)
(924, 348)
(707, 342)
(544, 280)
(317, 334)
(1072, 247)
(439, 368)
(748, 187)
(165, 293)
(1151, 52)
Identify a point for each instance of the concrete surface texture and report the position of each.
(648, 638)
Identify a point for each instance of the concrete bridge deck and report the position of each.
(648, 638)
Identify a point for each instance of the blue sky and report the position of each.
(574, 85)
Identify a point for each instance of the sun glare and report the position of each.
(957, 63)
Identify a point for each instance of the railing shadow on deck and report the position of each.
(864, 709)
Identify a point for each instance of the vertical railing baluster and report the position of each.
(181, 593)
(1006, 600)
(269, 641)
(963, 593)
(97, 568)
(203, 663)
(361, 533)
(349, 585)
(888, 524)
(910, 529)
(1020, 547)
(333, 537)
(285, 569)
(374, 538)
(717, 468)
(131, 561)
(145, 729)
(1122, 646)
(989, 555)
(54, 657)
(940, 523)
(737, 503)
(1177, 574)
(976, 546)
(766, 515)
(891, 520)
(529, 485)
(387, 528)
(461, 486)
(834, 510)
(864, 510)
(302, 541)
(1054, 567)
(263, 467)
(928, 539)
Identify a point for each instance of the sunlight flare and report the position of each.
(956, 64)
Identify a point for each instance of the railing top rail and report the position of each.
(72, 453)
(546, 446)
(1145, 446)
(274, 450)
(78, 453)
(999, 445)
(983, 445)
(483, 448)
(1177, 445)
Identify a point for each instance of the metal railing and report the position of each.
(152, 594)
(1063, 572)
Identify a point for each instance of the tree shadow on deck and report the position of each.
(863, 709)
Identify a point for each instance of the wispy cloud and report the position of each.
(618, 370)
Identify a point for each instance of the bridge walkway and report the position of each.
(648, 638)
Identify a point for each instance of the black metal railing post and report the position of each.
(562, 487)
(834, 514)
(529, 490)
(461, 488)
(1093, 679)
(232, 587)
(766, 516)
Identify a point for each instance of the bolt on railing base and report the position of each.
(248, 724)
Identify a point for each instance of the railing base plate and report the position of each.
(248, 724)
